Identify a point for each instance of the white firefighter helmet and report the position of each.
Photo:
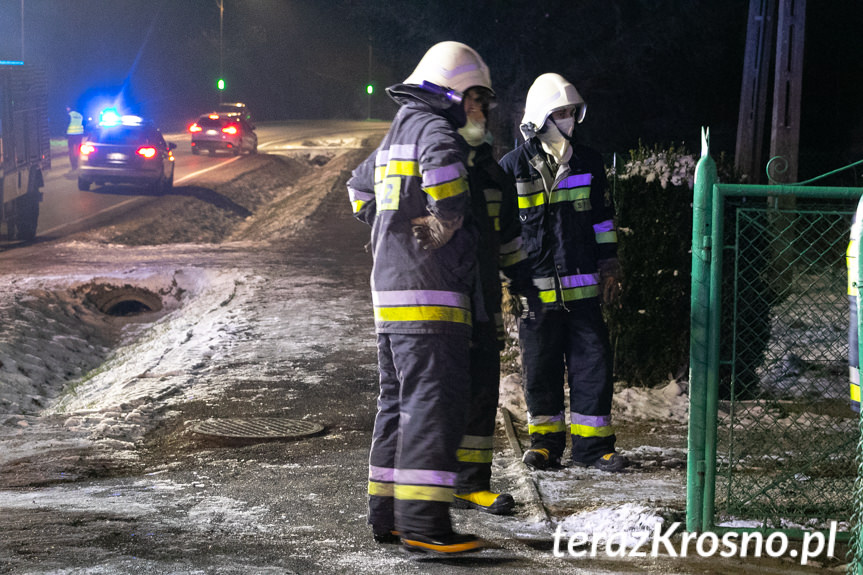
(452, 65)
(548, 93)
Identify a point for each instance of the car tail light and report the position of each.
(213, 116)
(195, 128)
(231, 129)
(86, 149)
(146, 151)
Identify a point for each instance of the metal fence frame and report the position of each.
(707, 242)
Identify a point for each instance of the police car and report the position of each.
(126, 150)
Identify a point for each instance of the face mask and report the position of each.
(566, 126)
(554, 143)
(473, 132)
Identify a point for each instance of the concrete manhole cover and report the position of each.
(258, 428)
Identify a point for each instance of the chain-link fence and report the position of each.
(786, 435)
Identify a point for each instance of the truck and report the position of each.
(25, 148)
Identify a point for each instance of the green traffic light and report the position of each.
(370, 89)
(221, 84)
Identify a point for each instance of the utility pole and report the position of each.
(754, 88)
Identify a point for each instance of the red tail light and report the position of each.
(231, 129)
(194, 128)
(146, 151)
(86, 149)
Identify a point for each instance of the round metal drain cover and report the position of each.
(258, 428)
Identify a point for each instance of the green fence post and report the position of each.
(705, 178)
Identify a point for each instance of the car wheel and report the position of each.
(211, 152)
(195, 151)
(169, 183)
(83, 185)
(254, 149)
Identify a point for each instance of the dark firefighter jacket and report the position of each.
(567, 220)
(495, 210)
(419, 169)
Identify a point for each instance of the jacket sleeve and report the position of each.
(512, 258)
(361, 191)
(602, 205)
(443, 173)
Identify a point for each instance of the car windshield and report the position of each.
(121, 135)
(207, 122)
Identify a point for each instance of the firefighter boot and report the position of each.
(450, 545)
(385, 535)
(540, 459)
(486, 501)
(612, 462)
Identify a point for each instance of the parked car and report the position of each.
(234, 108)
(223, 131)
(126, 150)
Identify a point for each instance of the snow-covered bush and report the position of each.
(652, 191)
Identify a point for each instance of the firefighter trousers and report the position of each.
(424, 388)
(476, 449)
(573, 343)
(853, 355)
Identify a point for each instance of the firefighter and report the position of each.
(495, 212)
(413, 191)
(567, 219)
(853, 351)
(74, 135)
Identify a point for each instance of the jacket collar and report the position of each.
(414, 96)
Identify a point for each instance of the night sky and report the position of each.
(650, 70)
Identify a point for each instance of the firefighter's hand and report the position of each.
(432, 232)
(610, 275)
(532, 306)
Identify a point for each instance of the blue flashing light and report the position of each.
(11, 63)
(109, 117)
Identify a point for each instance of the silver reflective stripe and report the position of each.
(420, 297)
(575, 181)
(579, 280)
(529, 188)
(543, 419)
(381, 473)
(443, 174)
(358, 195)
(606, 226)
(425, 477)
(477, 442)
(591, 420)
(403, 152)
(544, 284)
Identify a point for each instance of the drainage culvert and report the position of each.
(257, 429)
(122, 301)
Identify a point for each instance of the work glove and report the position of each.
(610, 275)
(432, 232)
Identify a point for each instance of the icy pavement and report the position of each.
(101, 474)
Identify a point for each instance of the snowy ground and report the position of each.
(95, 409)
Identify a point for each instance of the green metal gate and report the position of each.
(772, 438)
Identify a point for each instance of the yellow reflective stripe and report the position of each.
(402, 168)
(424, 493)
(358, 205)
(606, 238)
(543, 428)
(548, 296)
(512, 258)
(570, 195)
(579, 293)
(493, 210)
(474, 455)
(423, 313)
(588, 431)
(380, 489)
(531, 201)
(380, 172)
(447, 189)
(855, 393)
